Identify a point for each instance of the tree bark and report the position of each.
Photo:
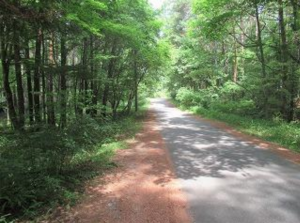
(235, 60)
(29, 84)
(259, 42)
(36, 78)
(5, 60)
(294, 79)
(18, 73)
(264, 103)
(50, 94)
(63, 83)
(83, 79)
(284, 59)
(136, 102)
(109, 77)
(93, 81)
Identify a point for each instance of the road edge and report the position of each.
(253, 140)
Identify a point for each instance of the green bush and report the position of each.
(185, 96)
(242, 107)
(42, 167)
(173, 95)
(189, 98)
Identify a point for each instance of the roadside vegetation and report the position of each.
(44, 169)
(238, 62)
(73, 75)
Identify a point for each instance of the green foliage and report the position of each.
(230, 88)
(217, 51)
(185, 96)
(48, 166)
(202, 98)
(78, 59)
(243, 107)
(77, 12)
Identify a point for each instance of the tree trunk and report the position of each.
(44, 90)
(93, 82)
(129, 103)
(5, 60)
(243, 38)
(107, 83)
(82, 86)
(259, 42)
(284, 59)
(294, 79)
(36, 78)
(63, 83)
(264, 101)
(235, 60)
(86, 96)
(136, 102)
(105, 99)
(29, 84)
(225, 63)
(18, 73)
(50, 93)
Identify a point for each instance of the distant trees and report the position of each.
(61, 59)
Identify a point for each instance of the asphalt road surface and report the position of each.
(225, 179)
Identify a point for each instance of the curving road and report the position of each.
(225, 179)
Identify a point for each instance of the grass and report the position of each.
(276, 130)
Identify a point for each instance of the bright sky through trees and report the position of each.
(156, 3)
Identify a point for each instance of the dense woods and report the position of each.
(245, 53)
(237, 61)
(71, 73)
(65, 59)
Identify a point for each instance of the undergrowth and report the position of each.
(40, 170)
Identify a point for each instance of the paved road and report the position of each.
(225, 179)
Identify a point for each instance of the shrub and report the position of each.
(46, 166)
(231, 90)
(185, 96)
(242, 107)
(189, 98)
(173, 95)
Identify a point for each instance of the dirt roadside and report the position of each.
(142, 189)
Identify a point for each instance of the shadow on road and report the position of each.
(225, 178)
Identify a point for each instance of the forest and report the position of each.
(237, 61)
(75, 76)
(70, 76)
